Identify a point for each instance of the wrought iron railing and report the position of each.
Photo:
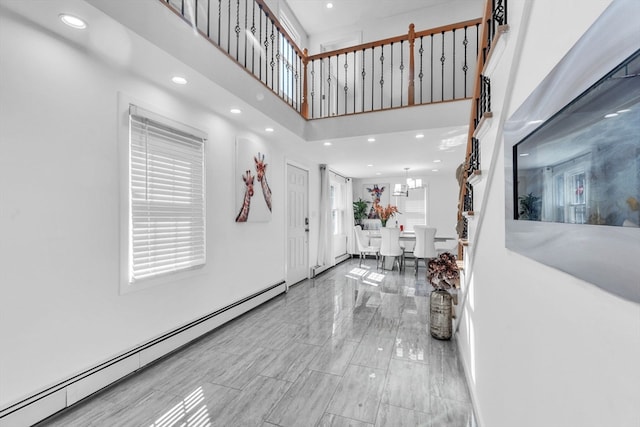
(467, 204)
(495, 16)
(416, 68)
(473, 162)
(483, 101)
(250, 34)
(498, 17)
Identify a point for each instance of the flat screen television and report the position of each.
(572, 160)
(582, 166)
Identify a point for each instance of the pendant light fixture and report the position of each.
(412, 184)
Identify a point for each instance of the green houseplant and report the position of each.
(443, 274)
(529, 207)
(359, 211)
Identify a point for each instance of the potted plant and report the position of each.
(385, 213)
(443, 274)
(529, 207)
(359, 211)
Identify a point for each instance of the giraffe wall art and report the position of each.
(253, 193)
(375, 193)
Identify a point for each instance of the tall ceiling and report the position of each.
(439, 152)
(388, 155)
(316, 18)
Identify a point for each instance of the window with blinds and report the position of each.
(167, 196)
(413, 208)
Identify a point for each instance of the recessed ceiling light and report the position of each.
(378, 173)
(420, 135)
(626, 110)
(327, 144)
(73, 21)
(437, 161)
(235, 111)
(371, 140)
(434, 170)
(179, 80)
(370, 166)
(524, 154)
(608, 116)
(268, 129)
(329, 5)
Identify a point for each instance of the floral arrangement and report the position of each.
(385, 213)
(443, 271)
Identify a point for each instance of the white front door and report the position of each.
(297, 224)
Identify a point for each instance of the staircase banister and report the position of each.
(364, 46)
(476, 94)
(450, 27)
(396, 39)
(273, 17)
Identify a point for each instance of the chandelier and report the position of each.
(402, 190)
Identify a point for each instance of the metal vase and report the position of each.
(440, 324)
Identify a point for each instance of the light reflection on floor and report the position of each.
(306, 357)
(190, 412)
(369, 277)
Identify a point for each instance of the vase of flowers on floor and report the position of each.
(385, 213)
(443, 274)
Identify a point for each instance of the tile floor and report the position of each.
(349, 348)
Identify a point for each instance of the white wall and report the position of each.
(60, 310)
(542, 348)
(443, 14)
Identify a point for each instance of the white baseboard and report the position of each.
(37, 410)
(472, 390)
(66, 393)
(100, 379)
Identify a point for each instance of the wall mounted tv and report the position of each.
(572, 160)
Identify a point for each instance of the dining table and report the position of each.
(407, 241)
(408, 236)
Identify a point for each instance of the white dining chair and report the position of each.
(390, 246)
(425, 248)
(363, 245)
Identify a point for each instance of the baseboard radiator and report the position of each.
(66, 393)
(317, 269)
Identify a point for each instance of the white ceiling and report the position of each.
(438, 152)
(316, 18)
(392, 151)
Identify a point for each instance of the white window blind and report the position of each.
(167, 197)
(413, 208)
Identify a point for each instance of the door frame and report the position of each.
(289, 162)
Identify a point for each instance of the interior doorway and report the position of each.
(297, 267)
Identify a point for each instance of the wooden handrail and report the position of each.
(304, 109)
(450, 27)
(474, 106)
(302, 99)
(412, 65)
(396, 39)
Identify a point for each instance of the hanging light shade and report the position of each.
(412, 184)
(401, 190)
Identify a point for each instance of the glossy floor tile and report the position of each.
(349, 348)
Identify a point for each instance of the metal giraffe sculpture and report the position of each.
(248, 194)
(261, 168)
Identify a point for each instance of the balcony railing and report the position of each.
(251, 35)
(497, 18)
(415, 68)
(495, 21)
